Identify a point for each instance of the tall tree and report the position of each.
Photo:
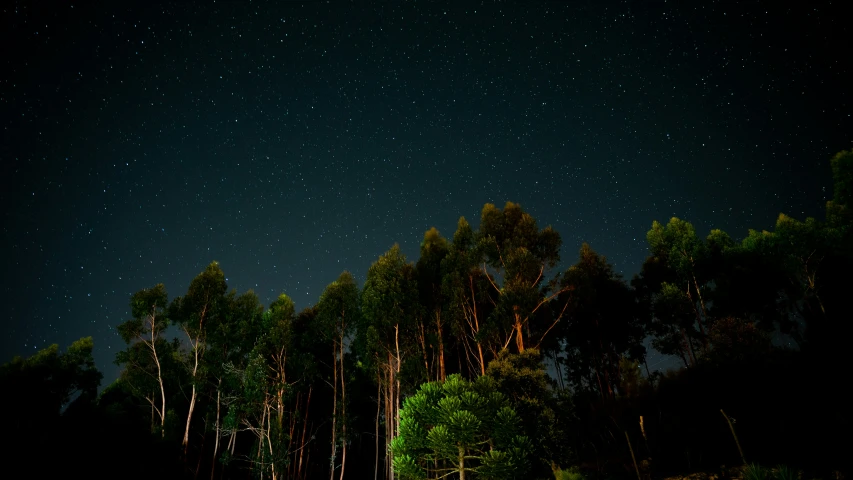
(434, 249)
(521, 256)
(144, 336)
(390, 308)
(467, 289)
(678, 247)
(231, 336)
(338, 312)
(193, 312)
(265, 390)
(604, 324)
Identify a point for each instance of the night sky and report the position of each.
(291, 140)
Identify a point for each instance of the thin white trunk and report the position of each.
(334, 412)
(343, 409)
(378, 404)
(189, 417)
(153, 347)
(216, 442)
(196, 346)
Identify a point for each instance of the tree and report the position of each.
(231, 336)
(678, 247)
(44, 397)
(390, 308)
(338, 312)
(47, 382)
(460, 427)
(521, 255)
(264, 391)
(604, 325)
(193, 312)
(545, 416)
(466, 287)
(434, 249)
(144, 336)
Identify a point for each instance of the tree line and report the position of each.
(438, 367)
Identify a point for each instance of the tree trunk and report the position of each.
(476, 324)
(689, 347)
(304, 428)
(334, 411)
(424, 347)
(196, 347)
(201, 452)
(391, 414)
(162, 395)
(185, 442)
(559, 369)
(461, 463)
(152, 410)
(519, 336)
(701, 301)
(438, 328)
(216, 442)
(378, 396)
(397, 378)
(698, 316)
(343, 409)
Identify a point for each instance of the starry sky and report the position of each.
(290, 140)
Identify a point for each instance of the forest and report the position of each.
(479, 359)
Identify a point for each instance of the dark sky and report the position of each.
(292, 140)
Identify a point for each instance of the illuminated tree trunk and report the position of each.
(439, 328)
(343, 406)
(461, 463)
(334, 411)
(159, 378)
(216, 442)
(378, 404)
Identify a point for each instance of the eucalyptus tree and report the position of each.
(678, 246)
(604, 325)
(264, 391)
(434, 249)
(467, 291)
(338, 313)
(230, 339)
(520, 255)
(193, 312)
(144, 357)
(390, 308)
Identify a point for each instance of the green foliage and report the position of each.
(754, 471)
(511, 243)
(338, 310)
(546, 417)
(604, 324)
(839, 210)
(457, 426)
(148, 307)
(45, 383)
(572, 473)
(784, 472)
(390, 295)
